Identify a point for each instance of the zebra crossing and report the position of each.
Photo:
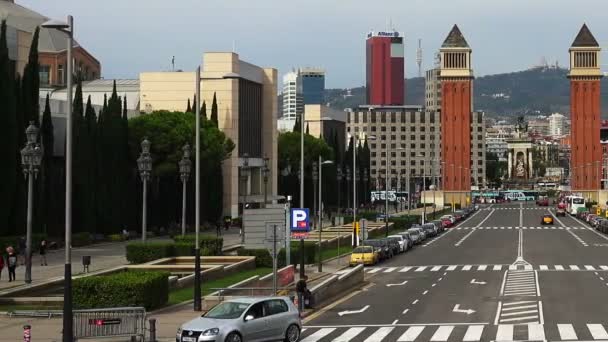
(520, 312)
(522, 228)
(477, 268)
(516, 208)
(456, 332)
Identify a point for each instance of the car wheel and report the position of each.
(292, 334)
(233, 337)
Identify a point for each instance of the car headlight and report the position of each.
(179, 331)
(211, 332)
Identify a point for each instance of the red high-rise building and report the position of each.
(385, 69)
(456, 78)
(585, 75)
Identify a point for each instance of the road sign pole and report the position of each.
(287, 236)
(274, 260)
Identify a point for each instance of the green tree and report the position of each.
(204, 110)
(188, 108)
(48, 142)
(214, 117)
(297, 127)
(31, 84)
(8, 135)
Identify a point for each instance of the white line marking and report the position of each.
(536, 332)
(405, 311)
(420, 269)
(436, 268)
(379, 334)
(349, 334)
(518, 319)
(540, 312)
(604, 267)
(497, 268)
(451, 268)
(443, 333)
(457, 244)
(446, 233)
(390, 269)
(414, 302)
(466, 267)
(395, 321)
(411, 334)
(504, 333)
(566, 332)
(434, 284)
(497, 313)
(543, 267)
(504, 280)
(559, 267)
(597, 331)
(520, 302)
(405, 269)
(511, 308)
(319, 334)
(590, 268)
(374, 270)
(509, 314)
(482, 267)
(574, 267)
(537, 286)
(425, 292)
(473, 333)
(399, 284)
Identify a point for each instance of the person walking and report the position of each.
(11, 261)
(43, 253)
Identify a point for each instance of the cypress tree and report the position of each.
(90, 168)
(80, 159)
(48, 143)
(31, 84)
(214, 118)
(188, 108)
(204, 110)
(307, 129)
(8, 134)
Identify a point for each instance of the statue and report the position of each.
(520, 169)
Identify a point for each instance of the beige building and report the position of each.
(247, 106)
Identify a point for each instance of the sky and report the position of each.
(133, 36)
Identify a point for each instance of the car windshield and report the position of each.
(578, 201)
(227, 310)
(363, 249)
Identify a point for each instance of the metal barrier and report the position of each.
(112, 322)
(250, 292)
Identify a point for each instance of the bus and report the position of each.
(517, 195)
(573, 203)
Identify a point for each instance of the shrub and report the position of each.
(116, 237)
(184, 249)
(263, 258)
(149, 289)
(6, 241)
(81, 239)
(140, 252)
(211, 242)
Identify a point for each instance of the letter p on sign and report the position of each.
(299, 220)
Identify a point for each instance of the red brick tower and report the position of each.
(585, 75)
(456, 91)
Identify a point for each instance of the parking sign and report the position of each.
(299, 222)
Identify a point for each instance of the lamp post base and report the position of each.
(68, 332)
(197, 280)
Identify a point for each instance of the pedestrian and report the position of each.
(22, 248)
(218, 229)
(303, 292)
(12, 261)
(43, 253)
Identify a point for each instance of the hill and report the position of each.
(533, 91)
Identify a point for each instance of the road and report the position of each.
(498, 276)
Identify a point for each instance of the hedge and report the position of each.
(140, 252)
(149, 289)
(13, 241)
(81, 239)
(263, 258)
(211, 242)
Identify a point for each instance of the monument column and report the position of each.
(530, 169)
(510, 163)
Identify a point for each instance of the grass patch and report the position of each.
(185, 294)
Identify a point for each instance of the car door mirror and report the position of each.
(249, 318)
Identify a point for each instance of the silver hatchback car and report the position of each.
(247, 319)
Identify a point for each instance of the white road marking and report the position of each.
(415, 302)
(482, 267)
(543, 267)
(379, 334)
(405, 311)
(390, 269)
(443, 333)
(597, 331)
(537, 285)
(350, 312)
(504, 333)
(395, 321)
(451, 268)
(510, 314)
(446, 233)
(520, 302)
(464, 238)
(566, 332)
(466, 267)
(374, 270)
(436, 268)
(536, 332)
(590, 268)
(425, 292)
(574, 267)
(420, 269)
(405, 269)
(399, 284)
(511, 308)
(318, 335)
(497, 268)
(349, 334)
(473, 333)
(604, 267)
(434, 284)
(519, 319)
(559, 267)
(411, 334)
(578, 238)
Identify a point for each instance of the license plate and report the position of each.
(188, 339)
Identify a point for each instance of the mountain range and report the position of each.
(539, 90)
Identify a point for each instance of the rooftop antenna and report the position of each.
(173, 63)
(419, 57)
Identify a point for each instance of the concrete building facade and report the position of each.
(247, 106)
(385, 69)
(432, 89)
(313, 85)
(293, 104)
(456, 77)
(585, 110)
(557, 124)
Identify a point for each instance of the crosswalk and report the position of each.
(456, 332)
(519, 312)
(516, 208)
(478, 268)
(520, 283)
(522, 228)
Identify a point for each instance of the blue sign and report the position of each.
(299, 220)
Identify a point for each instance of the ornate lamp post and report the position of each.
(185, 168)
(144, 164)
(245, 178)
(31, 158)
(265, 173)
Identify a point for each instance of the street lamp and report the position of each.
(321, 164)
(245, 178)
(185, 168)
(144, 164)
(314, 194)
(365, 185)
(265, 173)
(68, 29)
(422, 193)
(31, 158)
(339, 179)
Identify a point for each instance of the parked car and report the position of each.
(547, 219)
(589, 217)
(384, 250)
(439, 226)
(407, 236)
(419, 232)
(595, 221)
(245, 319)
(446, 222)
(366, 255)
(603, 226)
(430, 229)
(403, 246)
(459, 215)
(542, 201)
(393, 245)
(412, 236)
(449, 217)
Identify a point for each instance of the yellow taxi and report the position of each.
(547, 219)
(366, 255)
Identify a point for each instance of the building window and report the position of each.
(422, 146)
(432, 137)
(422, 129)
(412, 137)
(382, 145)
(383, 117)
(373, 163)
(479, 146)
(479, 129)
(393, 137)
(393, 117)
(403, 129)
(383, 137)
(383, 163)
(432, 129)
(60, 74)
(364, 117)
(383, 128)
(373, 145)
(422, 137)
(403, 154)
(412, 129)
(412, 146)
(373, 128)
(383, 154)
(348, 129)
(402, 137)
(412, 154)
(373, 154)
(393, 145)
(373, 117)
(393, 129)
(44, 72)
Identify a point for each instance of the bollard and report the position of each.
(152, 329)
(27, 333)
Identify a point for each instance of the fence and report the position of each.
(113, 322)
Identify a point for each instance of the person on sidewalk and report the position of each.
(303, 293)
(12, 261)
(43, 253)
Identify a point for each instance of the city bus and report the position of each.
(573, 203)
(518, 195)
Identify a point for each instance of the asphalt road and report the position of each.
(498, 276)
